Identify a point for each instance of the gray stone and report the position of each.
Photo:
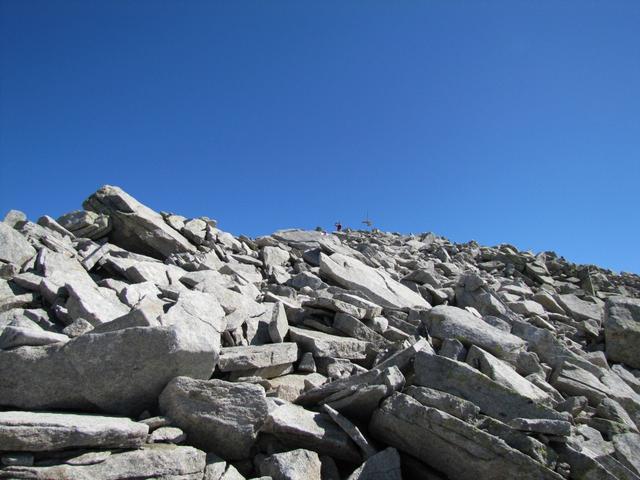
(352, 430)
(536, 425)
(94, 305)
(78, 327)
(456, 406)
(381, 466)
(400, 359)
(38, 431)
(158, 461)
(376, 285)
(504, 374)
(13, 337)
(13, 217)
(121, 371)
(359, 400)
(460, 379)
(290, 387)
(297, 464)
(167, 435)
(579, 309)
(86, 224)
(355, 328)
(274, 256)
(326, 345)
(452, 322)
(218, 416)
(14, 248)
(450, 445)
(195, 230)
(279, 325)
(627, 446)
(258, 356)
(296, 427)
(622, 330)
(136, 227)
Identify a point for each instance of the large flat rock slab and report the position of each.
(622, 330)
(120, 372)
(136, 227)
(449, 444)
(493, 398)
(157, 461)
(453, 322)
(300, 428)
(40, 431)
(218, 416)
(258, 356)
(376, 284)
(326, 345)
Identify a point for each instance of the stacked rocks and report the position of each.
(137, 344)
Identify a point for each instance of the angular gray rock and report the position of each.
(622, 330)
(377, 285)
(301, 428)
(136, 227)
(452, 322)
(326, 345)
(299, 464)
(158, 461)
(449, 444)
(494, 399)
(86, 224)
(39, 431)
(14, 248)
(217, 416)
(258, 356)
(382, 466)
(13, 337)
(121, 371)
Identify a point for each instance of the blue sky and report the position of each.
(502, 121)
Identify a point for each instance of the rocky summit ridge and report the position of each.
(136, 344)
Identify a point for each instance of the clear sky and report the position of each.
(498, 121)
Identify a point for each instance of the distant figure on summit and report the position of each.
(338, 226)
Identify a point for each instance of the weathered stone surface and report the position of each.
(326, 345)
(290, 387)
(218, 416)
(504, 374)
(382, 466)
(136, 227)
(376, 285)
(579, 309)
(359, 400)
(546, 426)
(279, 325)
(258, 356)
(295, 426)
(14, 248)
(401, 359)
(120, 371)
(297, 464)
(156, 461)
(167, 435)
(456, 406)
(38, 431)
(460, 379)
(452, 322)
(622, 330)
(86, 224)
(627, 446)
(450, 445)
(13, 337)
